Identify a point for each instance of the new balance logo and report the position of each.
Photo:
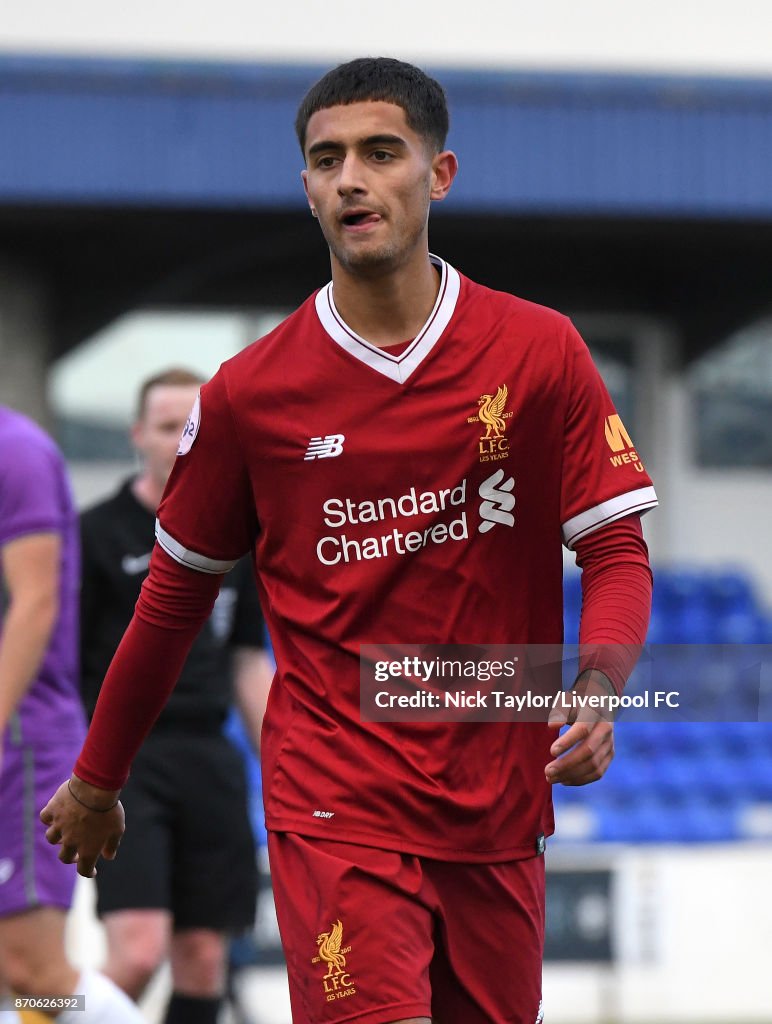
(498, 501)
(325, 447)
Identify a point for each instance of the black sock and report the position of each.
(192, 1009)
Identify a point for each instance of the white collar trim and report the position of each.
(397, 368)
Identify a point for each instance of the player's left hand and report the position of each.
(585, 750)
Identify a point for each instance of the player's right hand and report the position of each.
(84, 834)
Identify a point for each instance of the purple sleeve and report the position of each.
(29, 491)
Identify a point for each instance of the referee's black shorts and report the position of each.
(188, 846)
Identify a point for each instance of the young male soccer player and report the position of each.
(406, 858)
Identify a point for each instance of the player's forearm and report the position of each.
(137, 685)
(174, 604)
(27, 628)
(616, 599)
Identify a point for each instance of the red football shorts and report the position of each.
(376, 936)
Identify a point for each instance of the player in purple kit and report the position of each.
(41, 720)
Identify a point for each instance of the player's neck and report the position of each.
(147, 492)
(389, 308)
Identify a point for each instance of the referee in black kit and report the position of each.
(186, 876)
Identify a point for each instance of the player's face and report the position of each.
(156, 435)
(369, 180)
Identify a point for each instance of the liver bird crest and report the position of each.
(329, 944)
(491, 409)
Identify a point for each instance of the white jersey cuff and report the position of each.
(191, 559)
(639, 500)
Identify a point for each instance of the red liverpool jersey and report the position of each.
(417, 498)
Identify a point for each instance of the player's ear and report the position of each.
(304, 178)
(444, 168)
(135, 432)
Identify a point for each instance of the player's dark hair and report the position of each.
(380, 78)
(175, 376)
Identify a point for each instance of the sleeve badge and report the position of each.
(190, 432)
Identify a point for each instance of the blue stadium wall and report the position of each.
(220, 136)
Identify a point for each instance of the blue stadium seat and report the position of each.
(706, 820)
(755, 738)
(634, 740)
(765, 628)
(692, 623)
(625, 779)
(730, 739)
(615, 825)
(675, 775)
(731, 591)
(658, 820)
(758, 784)
(679, 588)
(694, 739)
(739, 626)
(722, 778)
